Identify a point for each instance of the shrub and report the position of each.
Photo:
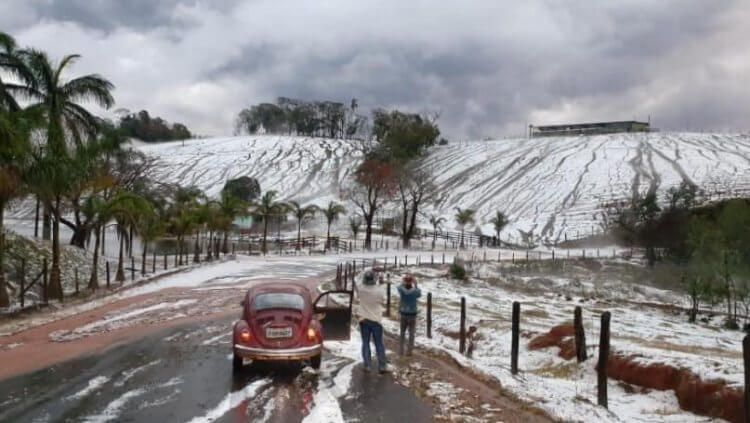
(457, 271)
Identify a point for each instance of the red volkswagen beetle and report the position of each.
(280, 321)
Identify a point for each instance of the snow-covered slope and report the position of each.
(309, 170)
(553, 186)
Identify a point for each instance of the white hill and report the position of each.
(553, 186)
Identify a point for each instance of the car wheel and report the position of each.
(236, 363)
(315, 362)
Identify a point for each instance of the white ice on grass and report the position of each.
(555, 186)
(232, 400)
(563, 388)
(92, 386)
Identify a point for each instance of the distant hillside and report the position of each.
(552, 186)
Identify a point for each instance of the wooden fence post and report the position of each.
(432, 258)
(514, 337)
(106, 264)
(132, 269)
(513, 257)
(165, 261)
(746, 357)
(429, 314)
(395, 262)
(462, 328)
(153, 262)
(388, 300)
(580, 335)
(23, 279)
(601, 385)
(44, 281)
(443, 258)
(76, 278)
(553, 255)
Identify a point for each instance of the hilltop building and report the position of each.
(594, 128)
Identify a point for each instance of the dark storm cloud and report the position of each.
(488, 67)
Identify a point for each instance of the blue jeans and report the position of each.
(369, 328)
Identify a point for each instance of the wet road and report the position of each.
(183, 374)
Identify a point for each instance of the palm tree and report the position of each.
(230, 207)
(59, 99)
(437, 223)
(180, 225)
(499, 221)
(264, 209)
(463, 218)
(202, 215)
(127, 209)
(332, 214)
(150, 227)
(95, 210)
(16, 126)
(303, 214)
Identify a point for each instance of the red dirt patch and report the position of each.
(711, 398)
(560, 336)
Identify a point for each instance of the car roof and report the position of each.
(279, 287)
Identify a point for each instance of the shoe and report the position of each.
(384, 371)
(365, 369)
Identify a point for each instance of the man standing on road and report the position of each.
(408, 292)
(370, 310)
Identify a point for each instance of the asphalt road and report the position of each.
(183, 374)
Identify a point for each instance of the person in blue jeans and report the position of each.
(370, 310)
(408, 293)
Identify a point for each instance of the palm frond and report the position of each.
(89, 88)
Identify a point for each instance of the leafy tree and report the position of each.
(437, 223)
(150, 227)
(464, 217)
(145, 128)
(127, 209)
(244, 188)
(700, 278)
(499, 221)
(402, 136)
(302, 214)
(268, 116)
(332, 213)
(373, 185)
(264, 209)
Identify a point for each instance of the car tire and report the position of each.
(236, 363)
(315, 362)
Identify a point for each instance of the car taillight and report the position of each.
(245, 335)
(312, 334)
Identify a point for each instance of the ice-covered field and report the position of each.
(562, 387)
(553, 186)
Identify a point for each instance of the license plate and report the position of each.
(278, 332)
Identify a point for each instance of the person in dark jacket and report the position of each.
(408, 293)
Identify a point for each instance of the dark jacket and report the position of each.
(408, 303)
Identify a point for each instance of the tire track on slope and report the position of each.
(573, 194)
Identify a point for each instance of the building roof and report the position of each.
(589, 125)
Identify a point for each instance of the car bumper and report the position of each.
(301, 353)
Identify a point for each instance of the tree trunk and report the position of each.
(143, 259)
(36, 219)
(94, 279)
(46, 223)
(225, 247)
(120, 277)
(179, 250)
(104, 236)
(4, 299)
(130, 242)
(299, 234)
(197, 254)
(55, 286)
(434, 237)
(328, 237)
(368, 230)
(265, 233)
(79, 237)
(462, 238)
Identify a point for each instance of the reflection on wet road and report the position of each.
(184, 375)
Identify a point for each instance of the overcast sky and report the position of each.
(490, 67)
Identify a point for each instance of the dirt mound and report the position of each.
(560, 336)
(711, 398)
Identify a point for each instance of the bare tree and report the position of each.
(373, 186)
(415, 187)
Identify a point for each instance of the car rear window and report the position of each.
(278, 300)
